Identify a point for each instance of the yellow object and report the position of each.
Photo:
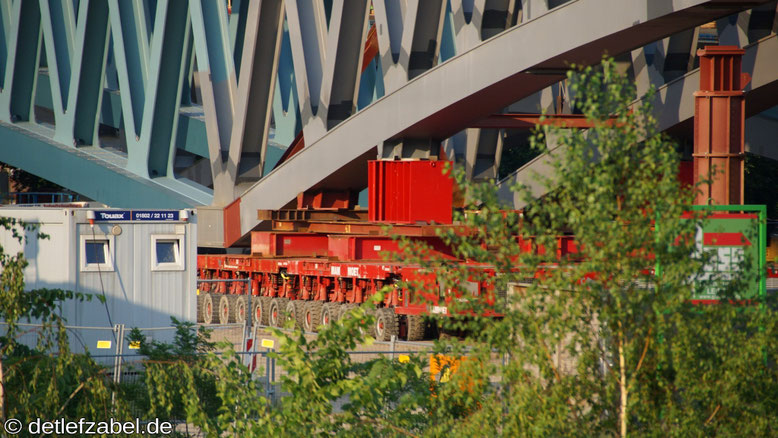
(268, 343)
(134, 345)
(404, 358)
(103, 345)
(442, 366)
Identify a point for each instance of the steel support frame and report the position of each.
(423, 108)
(76, 60)
(75, 167)
(327, 61)
(673, 107)
(719, 122)
(410, 44)
(218, 87)
(480, 149)
(153, 67)
(22, 33)
(258, 73)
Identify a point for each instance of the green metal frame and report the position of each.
(761, 211)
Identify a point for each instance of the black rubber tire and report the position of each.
(206, 308)
(200, 299)
(276, 312)
(386, 324)
(336, 311)
(299, 313)
(224, 310)
(261, 310)
(329, 313)
(370, 327)
(238, 308)
(416, 326)
(290, 312)
(345, 309)
(312, 316)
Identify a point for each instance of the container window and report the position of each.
(96, 253)
(167, 252)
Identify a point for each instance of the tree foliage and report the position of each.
(598, 343)
(46, 379)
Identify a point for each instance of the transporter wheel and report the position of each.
(224, 309)
(200, 299)
(276, 313)
(328, 314)
(239, 308)
(416, 327)
(206, 308)
(336, 311)
(312, 315)
(386, 324)
(345, 309)
(261, 310)
(299, 313)
(290, 312)
(370, 327)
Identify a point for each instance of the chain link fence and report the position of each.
(111, 348)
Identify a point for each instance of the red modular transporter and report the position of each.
(325, 257)
(320, 262)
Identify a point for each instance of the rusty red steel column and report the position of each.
(719, 121)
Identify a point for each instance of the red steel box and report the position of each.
(409, 191)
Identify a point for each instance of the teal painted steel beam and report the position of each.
(253, 113)
(22, 61)
(212, 39)
(286, 111)
(218, 88)
(86, 87)
(163, 93)
(111, 77)
(110, 110)
(130, 49)
(5, 34)
(191, 136)
(57, 22)
(191, 133)
(76, 58)
(96, 179)
(189, 64)
(151, 78)
(237, 25)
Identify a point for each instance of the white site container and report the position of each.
(144, 261)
